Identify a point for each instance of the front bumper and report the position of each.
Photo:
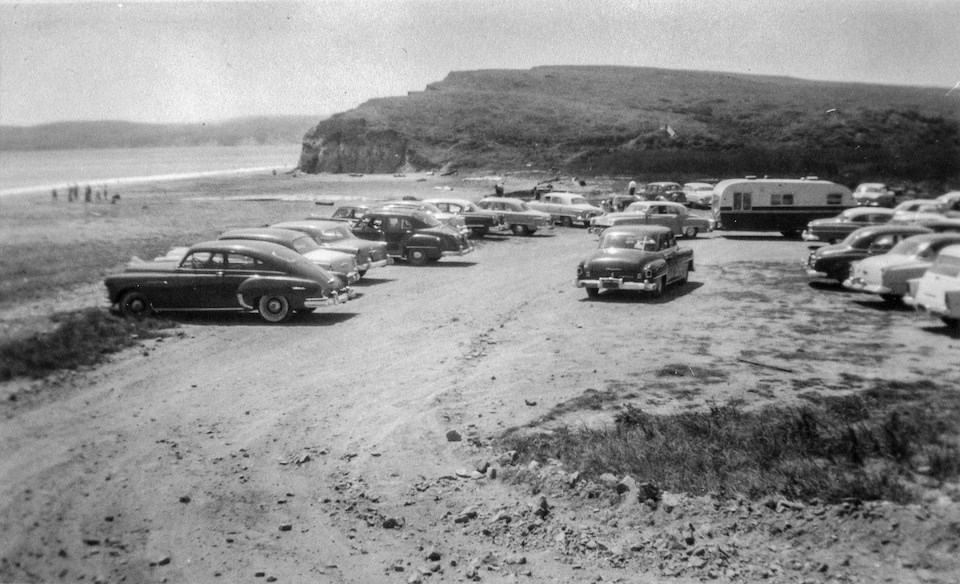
(814, 273)
(859, 285)
(459, 252)
(339, 297)
(617, 284)
(807, 236)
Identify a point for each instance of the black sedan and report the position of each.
(833, 261)
(635, 257)
(227, 275)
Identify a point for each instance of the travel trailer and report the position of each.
(777, 204)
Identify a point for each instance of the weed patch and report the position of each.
(868, 446)
(80, 338)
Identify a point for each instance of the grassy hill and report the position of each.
(117, 134)
(652, 124)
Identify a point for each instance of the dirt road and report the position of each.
(317, 451)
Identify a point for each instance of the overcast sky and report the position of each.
(207, 61)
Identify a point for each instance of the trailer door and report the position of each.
(742, 202)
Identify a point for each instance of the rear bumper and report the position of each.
(814, 273)
(460, 252)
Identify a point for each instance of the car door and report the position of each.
(195, 280)
(370, 227)
(668, 247)
(237, 269)
(396, 230)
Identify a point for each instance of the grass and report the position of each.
(613, 120)
(869, 446)
(79, 338)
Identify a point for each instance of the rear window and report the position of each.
(305, 244)
(946, 265)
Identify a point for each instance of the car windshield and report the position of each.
(946, 265)
(430, 220)
(335, 233)
(578, 201)
(628, 241)
(909, 247)
(305, 244)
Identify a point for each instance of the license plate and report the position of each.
(610, 283)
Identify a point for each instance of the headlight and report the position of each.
(648, 273)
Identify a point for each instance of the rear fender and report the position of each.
(428, 243)
(296, 290)
(658, 267)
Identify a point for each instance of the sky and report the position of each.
(170, 62)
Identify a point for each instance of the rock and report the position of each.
(608, 479)
(482, 466)
(415, 579)
(163, 561)
(454, 436)
(465, 515)
(492, 473)
(286, 527)
(627, 485)
(515, 560)
(185, 499)
(433, 555)
(529, 402)
(477, 475)
(507, 458)
(648, 492)
(393, 523)
(670, 501)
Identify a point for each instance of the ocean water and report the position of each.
(44, 170)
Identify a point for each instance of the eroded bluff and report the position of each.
(342, 145)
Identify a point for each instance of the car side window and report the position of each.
(203, 260)
(237, 261)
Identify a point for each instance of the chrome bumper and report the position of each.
(807, 236)
(859, 285)
(461, 252)
(814, 273)
(616, 284)
(379, 263)
(339, 298)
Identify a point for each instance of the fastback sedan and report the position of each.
(635, 257)
(515, 214)
(673, 215)
(343, 265)
(836, 228)
(888, 274)
(337, 236)
(478, 221)
(232, 276)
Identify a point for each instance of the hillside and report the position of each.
(118, 134)
(649, 123)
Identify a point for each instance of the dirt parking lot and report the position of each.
(318, 451)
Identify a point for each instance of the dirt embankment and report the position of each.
(321, 450)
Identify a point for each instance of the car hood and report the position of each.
(619, 258)
(832, 250)
(825, 222)
(158, 265)
(887, 261)
(441, 231)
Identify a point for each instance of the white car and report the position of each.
(698, 194)
(938, 290)
(566, 208)
(873, 195)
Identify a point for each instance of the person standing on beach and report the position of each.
(53, 194)
(87, 192)
(632, 189)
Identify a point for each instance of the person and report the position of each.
(87, 194)
(498, 189)
(632, 189)
(54, 194)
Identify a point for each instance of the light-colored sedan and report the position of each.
(515, 214)
(673, 215)
(938, 290)
(566, 208)
(698, 194)
(888, 274)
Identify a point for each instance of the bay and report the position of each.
(28, 171)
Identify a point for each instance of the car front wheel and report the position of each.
(519, 229)
(658, 290)
(690, 232)
(274, 309)
(593, 292)
(135, 305)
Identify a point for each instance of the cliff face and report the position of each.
(340, 145)
(652, 124)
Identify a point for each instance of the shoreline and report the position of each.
(120, 181)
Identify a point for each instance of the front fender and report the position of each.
(658, 267)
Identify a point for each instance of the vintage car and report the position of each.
(412, 235)
(663, 191)
(478, 221)
(453, 220)
(833, 261)
(227, 275)
(515, 214)
(873, 195)
(673, 215)
(566, 208)
(922, 212)
(635, 257)
(698, 194)
(950, 201)
(340, 264)
(336, 235)
(837, 228)
(351, 213)
(938, 290)
(888, 274)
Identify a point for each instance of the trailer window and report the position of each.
(741, 202)
(835, 199)
(782, 199)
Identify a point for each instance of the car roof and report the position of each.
(312, 224)
(662, 183)
(263, 234)
(402, 211)
(933, 237)
(868, 211)
(247, 246)
(697, 184)
(507, 199)
(654, 230)
(450, 200)
(887, 228)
